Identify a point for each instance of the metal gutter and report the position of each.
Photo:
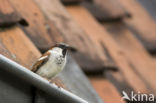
(37, 81)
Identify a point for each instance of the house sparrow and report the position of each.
(53, 61)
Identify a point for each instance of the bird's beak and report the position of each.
(71, 48)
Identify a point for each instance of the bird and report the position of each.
(53, 61)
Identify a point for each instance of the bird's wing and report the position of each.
(41, 61)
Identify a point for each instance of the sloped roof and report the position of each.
(117, 37)
(112, 38)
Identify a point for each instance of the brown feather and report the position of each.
(39, 62)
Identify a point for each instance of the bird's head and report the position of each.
(65, 47)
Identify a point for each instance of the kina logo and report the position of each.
(138, 97)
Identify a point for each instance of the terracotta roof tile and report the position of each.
(106, 90)
(106, 10)
(38, 27)
(18, 47)
(135, 55)
(67, 2)
(123, 54)
(142, 24)
(8, 17)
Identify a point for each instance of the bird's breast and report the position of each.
(54, 65)
(59, 60)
